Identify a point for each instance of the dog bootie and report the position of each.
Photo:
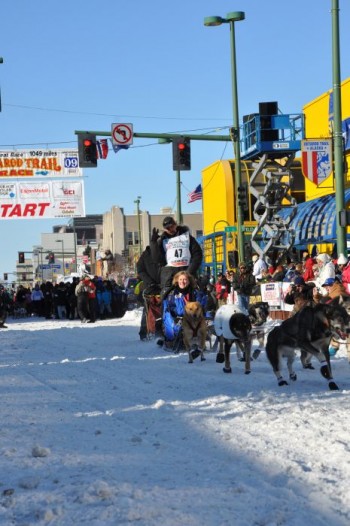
(220, 357)
(195, 353)
(256, 353)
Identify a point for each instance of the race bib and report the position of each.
(177, 250)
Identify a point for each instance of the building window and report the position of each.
(132, 238)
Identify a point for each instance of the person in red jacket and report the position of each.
(308, 264)
(91, 293)
(222, 288)
(344, 269)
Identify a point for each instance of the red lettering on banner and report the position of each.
(16, 211)
(16, 173)
(30, 209)
(5, 209)
(42, 207)
(49, 163)
(11, 163)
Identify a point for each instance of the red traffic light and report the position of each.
(87, 142)
(181, 146)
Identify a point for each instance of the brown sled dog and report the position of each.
(194, 327)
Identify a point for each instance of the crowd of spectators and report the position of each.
(87, 299)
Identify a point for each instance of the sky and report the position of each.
(102, 429)
(80, 66)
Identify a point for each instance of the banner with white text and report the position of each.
(42, 200)
(40, 163)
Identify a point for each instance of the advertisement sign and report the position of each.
(273, 293)
(42, 200)
(55, 163)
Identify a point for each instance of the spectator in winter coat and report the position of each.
(108, 259)
(222, 289)
(149, 272)
(334, 289)
(81, 292)
(326, 269)
(301, 291)
(174, 250)
(243, 284)
(72, 299)
(20, 298)
(37, 300)
(91, 292)
(344, 271)
(308, 267)
(60, 299)
(258, 266)
(47, 289)
(5, 302)
(104, 298)
(278, 274)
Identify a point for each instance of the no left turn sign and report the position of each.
(122, 134)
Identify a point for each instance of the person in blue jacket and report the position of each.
(184, 289)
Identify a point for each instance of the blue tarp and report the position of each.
(315, 220)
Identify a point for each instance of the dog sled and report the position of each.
(151, 323)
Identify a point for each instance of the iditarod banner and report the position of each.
(56, 163)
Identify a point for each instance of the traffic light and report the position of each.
(243, 196)
(181, 153)
(51, 258)
(21, 258)
(87, 150)
(6, 277)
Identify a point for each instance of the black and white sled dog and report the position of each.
(309, 330)
(234, 326)
(258, 313)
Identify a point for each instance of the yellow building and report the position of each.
(219, 214)
(318, 125)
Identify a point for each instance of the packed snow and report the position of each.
(100, 428)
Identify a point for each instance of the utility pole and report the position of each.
(337, 132)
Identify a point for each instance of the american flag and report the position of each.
(196, 194)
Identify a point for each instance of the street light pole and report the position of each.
(178, 197)
(337, 132)
(231, 18)
(137, 202)
(62, 247)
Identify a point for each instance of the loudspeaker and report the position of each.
(266, 109)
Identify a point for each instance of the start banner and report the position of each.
(42, 200)
(40, 163)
